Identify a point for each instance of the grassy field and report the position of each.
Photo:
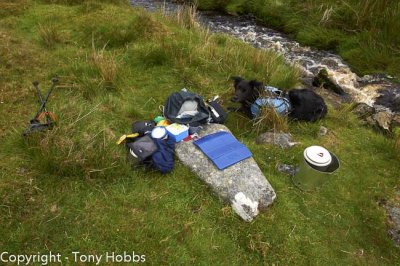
(71, 189)
(364, 33)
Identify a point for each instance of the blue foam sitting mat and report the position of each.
(223, 149)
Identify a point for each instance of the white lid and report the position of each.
(318, 156)
(158, 133)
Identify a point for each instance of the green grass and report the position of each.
(364, 33)
(71, 189)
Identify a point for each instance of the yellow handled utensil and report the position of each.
(124, 137)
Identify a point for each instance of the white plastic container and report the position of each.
(177, 131)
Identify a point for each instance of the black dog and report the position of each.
(305, 104)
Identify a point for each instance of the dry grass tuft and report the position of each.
(326, 15)
(186, 16)
(258, 244)
(49, 35)
(12, 8)
(269, 119)
(106, 64)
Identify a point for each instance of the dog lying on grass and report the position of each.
(303, 104)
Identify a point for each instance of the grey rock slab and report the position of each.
(394, 232)
(242, 185)
(394, 223)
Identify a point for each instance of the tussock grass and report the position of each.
(49, 35)
(238, 58)
(59, 152)
(186, 16)
(343, 114)
(118, 34)
(91, 6)
(326, 17)
(124, 29)
(155, 55)
(106, 64)
(149, 27)
(12, 7)
(270, 120)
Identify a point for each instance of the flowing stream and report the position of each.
(374, 90)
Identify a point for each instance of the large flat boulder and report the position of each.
(242, 185)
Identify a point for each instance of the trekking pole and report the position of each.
(40, 96)
(43, 101)
(36, 85)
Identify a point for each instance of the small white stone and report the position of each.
(245, 207)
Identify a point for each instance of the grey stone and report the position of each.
(334, 99)
(330, 62)
(365, 78)
(287, 169)
(363, 110)
(383, 120)
(242, 185)
(375, 78)
(369, 121)
(22, 170)
(324, 80)
(322, 131)
(389, 97)
(282, 140)
(396, 121)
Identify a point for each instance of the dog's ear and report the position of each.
(255, 84)
(236, 80)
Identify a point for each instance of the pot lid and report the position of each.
(158, 132)
(318, 156)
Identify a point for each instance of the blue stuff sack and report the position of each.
(163, 159)
(279, 103)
